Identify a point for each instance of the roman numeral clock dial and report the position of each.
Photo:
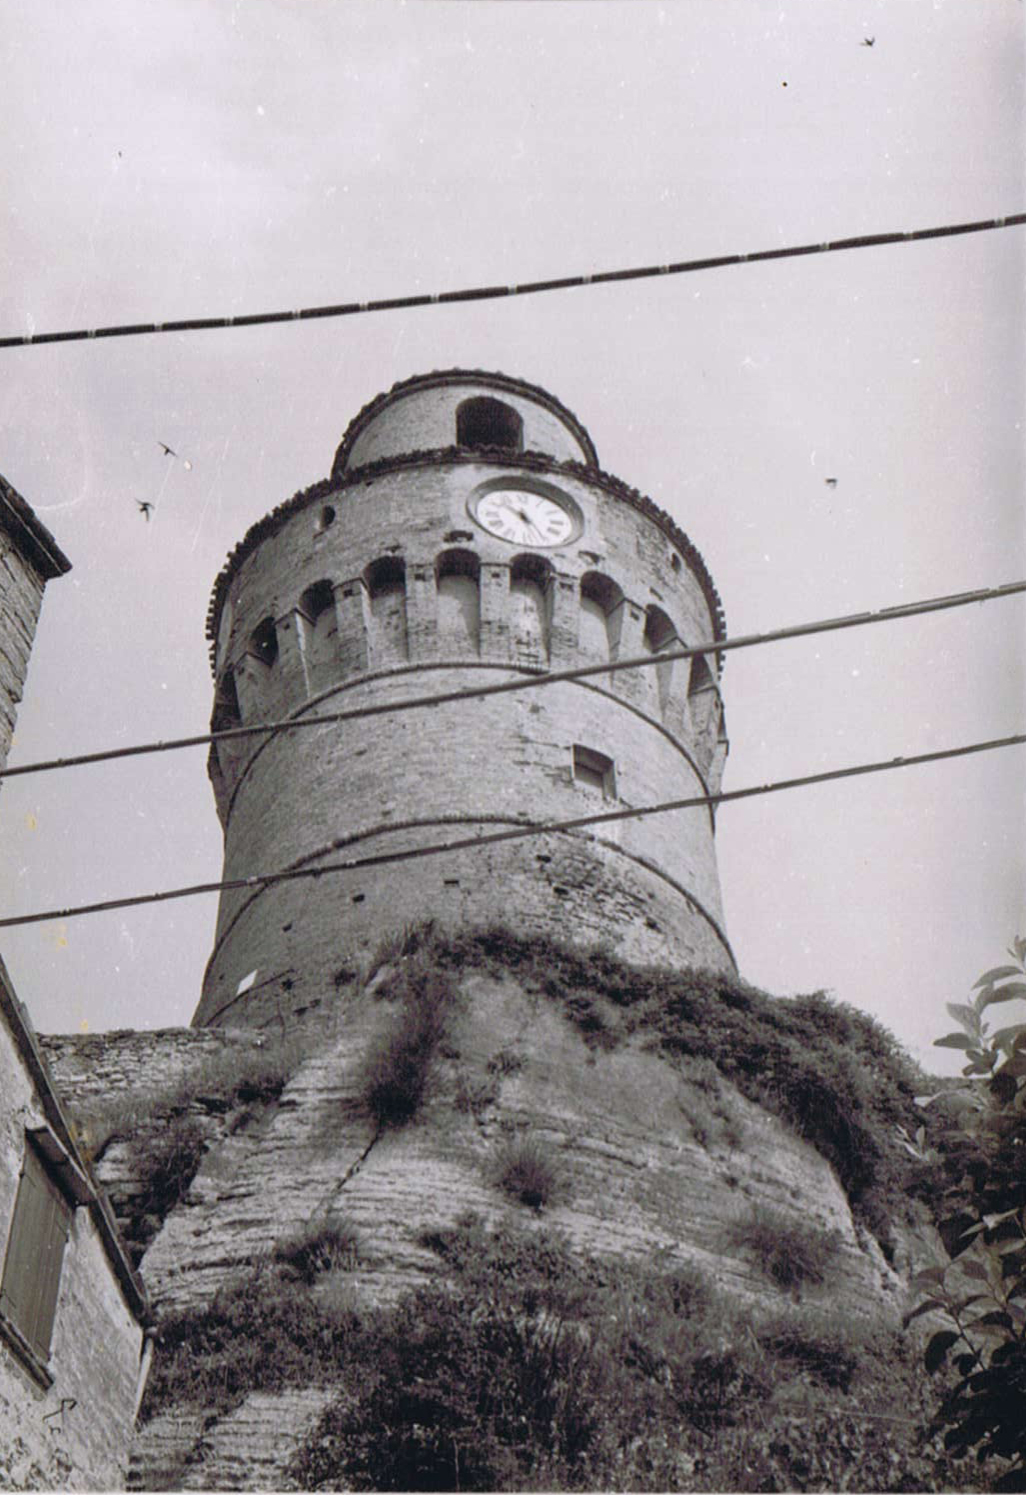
(524, 517)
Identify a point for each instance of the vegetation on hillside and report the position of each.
(398, 1063)
(526, 1366)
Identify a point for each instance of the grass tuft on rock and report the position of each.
(788, 1252)
(525, 1171)
(397, 1066)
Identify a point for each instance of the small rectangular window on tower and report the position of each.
(594, 769)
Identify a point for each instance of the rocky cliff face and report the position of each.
(630, 1154)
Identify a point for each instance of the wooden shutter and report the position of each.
(35, 1251)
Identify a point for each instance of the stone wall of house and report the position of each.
(21, 596)
(29, 558)
(67, 1422)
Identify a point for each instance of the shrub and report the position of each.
(461, 1398)
(165, 1164)
(398, 944)
(525, 1171)
(323, 1246)
(831, 1354)
(260, 1332)
(532, 1368)
(789, 1253)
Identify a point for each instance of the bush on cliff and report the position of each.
(791, 1254)
(397, 1066)
(525, 1171)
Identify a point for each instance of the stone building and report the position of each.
(73, 1354)
(71, 1308)
(466, 536)
(29, 558)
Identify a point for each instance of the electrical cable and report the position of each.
(529, 288)
(552, 677)
(522, 832)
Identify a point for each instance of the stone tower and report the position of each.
(466, 535)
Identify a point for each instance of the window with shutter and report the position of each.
(35, 1253)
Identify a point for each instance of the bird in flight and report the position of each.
(145, 509)
(169, 451)
(868, 41)
(830, 482)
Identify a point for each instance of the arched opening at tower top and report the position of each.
(482, 421)
(263, 642)
(317, 600)
(318, 633)
(599, 628)
(458, 581)
(385, 580)
(660, 634)
(530, 595)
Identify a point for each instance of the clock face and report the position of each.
(524, 517)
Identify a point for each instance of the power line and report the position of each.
(529, 288)
(521, 832)
(552, 677)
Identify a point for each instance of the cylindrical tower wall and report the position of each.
(421, 571)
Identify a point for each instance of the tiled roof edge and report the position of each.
(33, 537)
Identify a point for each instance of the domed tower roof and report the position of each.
(415, 394)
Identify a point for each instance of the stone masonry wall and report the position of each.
(21, 596)
(69, 1428)
(647, 886)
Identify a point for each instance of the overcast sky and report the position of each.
(193, 158)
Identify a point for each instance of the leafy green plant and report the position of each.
(981, 1291)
